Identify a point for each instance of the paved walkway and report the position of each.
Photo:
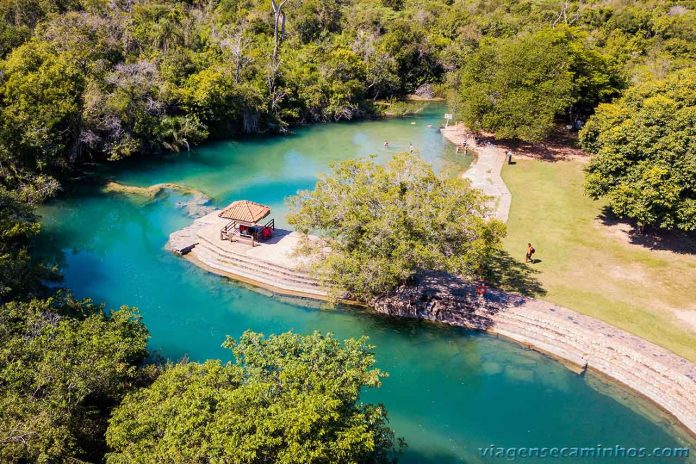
(484, 173)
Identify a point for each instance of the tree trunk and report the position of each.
(278, 16)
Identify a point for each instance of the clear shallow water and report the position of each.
(449, 391)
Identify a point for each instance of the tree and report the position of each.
(643, 149)
(39, 110)
(63, 365)
(412, 53)
(384, 223)
(19, 274)
(278, 27)
(286, 398)
(312, 18)
(516, 87)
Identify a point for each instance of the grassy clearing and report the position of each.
(587, 266)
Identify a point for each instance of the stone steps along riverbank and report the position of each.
(256, 272)
(671, 388)
(664, 378)
(269, 265)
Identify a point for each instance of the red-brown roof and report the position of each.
(245, 211)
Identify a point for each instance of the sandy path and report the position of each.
(484, 173)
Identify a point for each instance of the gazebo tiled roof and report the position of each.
(245, 211)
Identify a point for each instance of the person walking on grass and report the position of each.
(530, 252)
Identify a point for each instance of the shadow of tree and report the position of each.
(506, 273)
(561, 144)
(674, 241)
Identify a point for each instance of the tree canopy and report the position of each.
(99, 80)
(20, 275)
(643, 148)
(63, 365)
(516, 87)
(384, 223)
(286, 398)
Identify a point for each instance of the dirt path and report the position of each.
(484, 173)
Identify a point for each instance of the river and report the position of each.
(449, 393)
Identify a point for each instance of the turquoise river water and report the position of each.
(450, 392)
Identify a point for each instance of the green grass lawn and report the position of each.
(588, 267)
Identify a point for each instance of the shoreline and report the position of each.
(258, 285)
(560, 145)
(458, 134)
(579, 342)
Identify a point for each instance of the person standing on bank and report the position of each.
(530, 252)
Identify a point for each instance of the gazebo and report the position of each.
(245, 217)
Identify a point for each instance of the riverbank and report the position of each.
(586, 259)
(596, 264)
(561, 144)
(579, 341)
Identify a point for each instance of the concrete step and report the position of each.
(541, 332)
(599, 348)
(256, 276)
(257, 266)
(242, 258)
(252, 261)
(255, 269)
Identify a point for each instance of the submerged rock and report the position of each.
(196, 207)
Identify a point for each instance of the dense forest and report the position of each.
(84, 81)
(94, 80)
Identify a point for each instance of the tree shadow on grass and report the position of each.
(674, 241)
(561, 144)
(511, 275)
